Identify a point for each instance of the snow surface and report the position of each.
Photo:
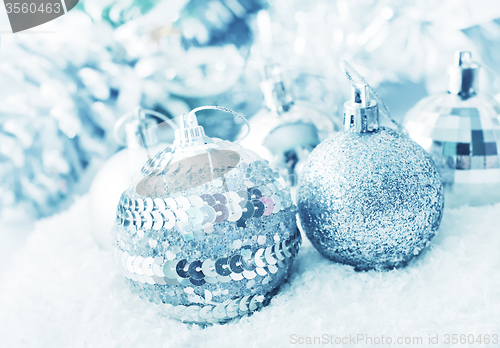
(63, 291)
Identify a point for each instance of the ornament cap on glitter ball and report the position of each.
(360, 113)
(369, 196)
(209, 232)
(460, 128)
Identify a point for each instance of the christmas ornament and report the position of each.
(116, 175)
(369, 196)
(209, 233)
(285, 131)
(461, 130)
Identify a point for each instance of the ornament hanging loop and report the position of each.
(140, 126)
(356, 81)
(188, 118)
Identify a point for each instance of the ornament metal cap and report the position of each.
(360, 114)
(276, 96)
(463, 75)
(189, 132)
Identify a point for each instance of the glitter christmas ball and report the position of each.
(369, 196)
(461, 130)
(209, 233)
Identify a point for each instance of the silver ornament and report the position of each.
(209, 233)
(285, 131)
(369, 196)
(461, 130)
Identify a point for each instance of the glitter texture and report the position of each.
(371, 200)
(213, 251)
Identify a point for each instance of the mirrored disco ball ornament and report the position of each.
(461, 130)
(209, 232)
(285, 131)
(369, 196)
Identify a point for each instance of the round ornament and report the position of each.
(116, 175)
(209, 232)
(461, 130)
(369, 196)
(285, 131)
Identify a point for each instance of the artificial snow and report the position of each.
(63, 291)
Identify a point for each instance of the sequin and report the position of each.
(223, 279)
(147, 266)
(183, 203)
(264, 190)
(197, 282)
(182, 268)
(220, 198)
(195, 216)
(254, 193)
(137, 264)
(168, 219)
(159, 280)
(170, 269)
(248, 211)
(269, 205)
(159, 204)
(221, 267)
(181, 216)
(221, 212)
(130, 264)
(277, 203)
(147, 220)
(208, 214)
(268, 255)
(232, 198)
(158, 270)
(244, 198)
(249, 274)
(258, 258)
(244, 304)
(196, 201)
(235, 212)
(206, 312)
(148, 204)
(170, 203)
(195, 270)
(259, 208)
(235, 264)
(157, 220)
(208, 199)
(208, 268)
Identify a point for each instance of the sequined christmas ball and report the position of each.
(371, 200)
(207, 245)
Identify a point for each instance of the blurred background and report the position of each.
(65, 84)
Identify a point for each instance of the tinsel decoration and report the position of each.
(46, 145)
